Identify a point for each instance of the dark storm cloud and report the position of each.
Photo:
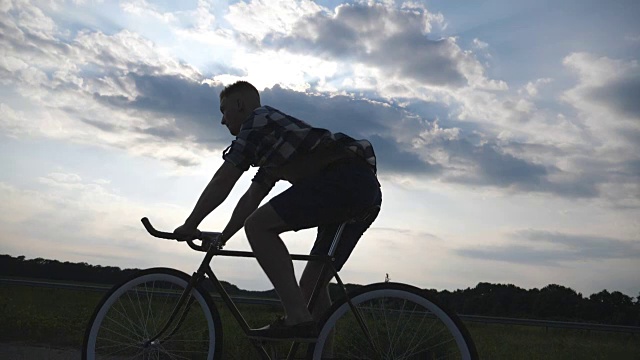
(490, 165)
(357, 117)
(623, 95)
(194, 106)
(531, 247)
(176, 95)
(496, 167)
(393, 40)
(393, 159)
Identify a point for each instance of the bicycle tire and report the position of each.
(137, 308)
(405, 323)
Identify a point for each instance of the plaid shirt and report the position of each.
(270, 138)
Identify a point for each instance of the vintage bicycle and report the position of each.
(163, 313)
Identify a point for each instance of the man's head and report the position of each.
(237, 102)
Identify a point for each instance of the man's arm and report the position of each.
(247, 204)
(213, 195)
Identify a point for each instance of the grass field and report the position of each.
(59, 317)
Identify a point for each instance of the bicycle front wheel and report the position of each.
(402, 322)
(138, 308)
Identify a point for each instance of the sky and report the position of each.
(507, 132)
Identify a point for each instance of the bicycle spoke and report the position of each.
(167, 353)
(118, 351)
(135, 319)
(141, 314)
(125, 315)
(140, 308)
(149, 303)
(403, 324)
(120, 334)
(415, 333)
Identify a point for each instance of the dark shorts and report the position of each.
(340, 193)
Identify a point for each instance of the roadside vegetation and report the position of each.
(58, 317)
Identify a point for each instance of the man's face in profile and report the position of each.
(232, 116)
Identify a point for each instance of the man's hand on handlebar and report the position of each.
(185, 232)
(212, 239)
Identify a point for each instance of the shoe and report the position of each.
(304, 332)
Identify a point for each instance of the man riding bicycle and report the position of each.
(333, 179)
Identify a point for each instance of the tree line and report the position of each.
(552, 302)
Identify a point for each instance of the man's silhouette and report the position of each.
(333, 179)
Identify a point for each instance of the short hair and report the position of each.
(237, 87)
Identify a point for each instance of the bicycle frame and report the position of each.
(205, 269)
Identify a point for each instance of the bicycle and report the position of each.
(164, 313)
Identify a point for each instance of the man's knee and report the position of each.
(264, 220)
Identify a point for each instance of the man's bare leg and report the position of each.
(263, 228)
(308, 280)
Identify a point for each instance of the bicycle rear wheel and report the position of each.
(404, 322)
(138, 308)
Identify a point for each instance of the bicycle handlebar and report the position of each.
(208, 239)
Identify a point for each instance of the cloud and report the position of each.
(258, 18)
(193, 105)
(487, 164)
(121, 90)
(395, 41)
(605, 98)
(621, 95)
(143, 8)
(359, 118)
(606, 87)
(539, 247)
(533, 87)
(64, 97)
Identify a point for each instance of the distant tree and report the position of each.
(551, 302)
(614, 308)
(557, 302)
(492, 299)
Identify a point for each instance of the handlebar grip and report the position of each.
(156, 233)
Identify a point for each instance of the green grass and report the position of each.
(58, 317)
(495, 341)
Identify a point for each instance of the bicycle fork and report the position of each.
(186, 296)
